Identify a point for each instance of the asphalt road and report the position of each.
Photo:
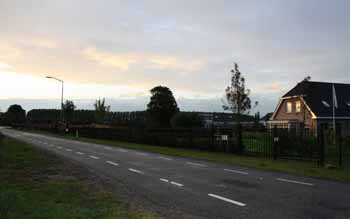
(203, 189)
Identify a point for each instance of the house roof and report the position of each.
(318, 96)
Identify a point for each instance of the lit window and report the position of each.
(348, 103)
(289, 107)
(325, 104)
(298, 106)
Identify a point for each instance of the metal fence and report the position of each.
(322, 146)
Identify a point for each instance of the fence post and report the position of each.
(339, 143)
(191, 138)
(321, 143)
(274, 143)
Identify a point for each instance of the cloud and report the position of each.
(274, 86)
(4, 65)
(40, 42)
(123, 61)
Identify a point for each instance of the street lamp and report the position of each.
(62, 82)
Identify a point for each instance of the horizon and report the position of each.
(120, 50)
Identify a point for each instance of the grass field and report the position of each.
(37, 185)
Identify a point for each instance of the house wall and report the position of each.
(303, 115)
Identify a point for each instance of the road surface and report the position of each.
(201, 189)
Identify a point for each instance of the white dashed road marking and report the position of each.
(171, 182)
(293, 181)
(176, 184)
(236, 171)
(110, 162)
(140, 153)
(80, 153)
(59, 147)
(227, 200)
(94, 157)
(196, 164)
(164, 158)
(164, 180)
(68, 149)
(136, 171)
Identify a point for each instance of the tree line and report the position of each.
(162, 110)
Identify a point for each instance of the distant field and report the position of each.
(37, 185)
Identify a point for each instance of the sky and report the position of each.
(121, 49)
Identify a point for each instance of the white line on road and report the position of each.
(293, 181)
(176, 184)
(94, 157)
(78, 152)
(59, 147)
(110, 162)
(107, 148)
(136, 171)
(122, 150)
(164, 180)
(140, 153)
(196, 164)
(227, 200)
(68, 149)
(236, 171)
(164, 158)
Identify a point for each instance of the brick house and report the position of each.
(310, 104)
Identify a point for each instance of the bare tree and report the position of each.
(237, 100)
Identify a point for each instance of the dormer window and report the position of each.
(325, 104)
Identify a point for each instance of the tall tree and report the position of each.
(68, 111)
(162, 106)
(15, 114)
(237, 100)
(101, 110)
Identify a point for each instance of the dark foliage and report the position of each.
(186, 120)
(15, 115)
(162, 106)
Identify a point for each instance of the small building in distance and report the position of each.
(310, 104)
(223, 120)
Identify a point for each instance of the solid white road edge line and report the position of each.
(136, 171)
(94, 157)
(122, 150)
(293, 181)
(227, 200)
(236, 171)
(110, 162)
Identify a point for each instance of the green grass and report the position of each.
(37, 185)
(288, 166)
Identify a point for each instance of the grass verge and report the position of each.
(37, 185)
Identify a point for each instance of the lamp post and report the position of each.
(62, 83)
